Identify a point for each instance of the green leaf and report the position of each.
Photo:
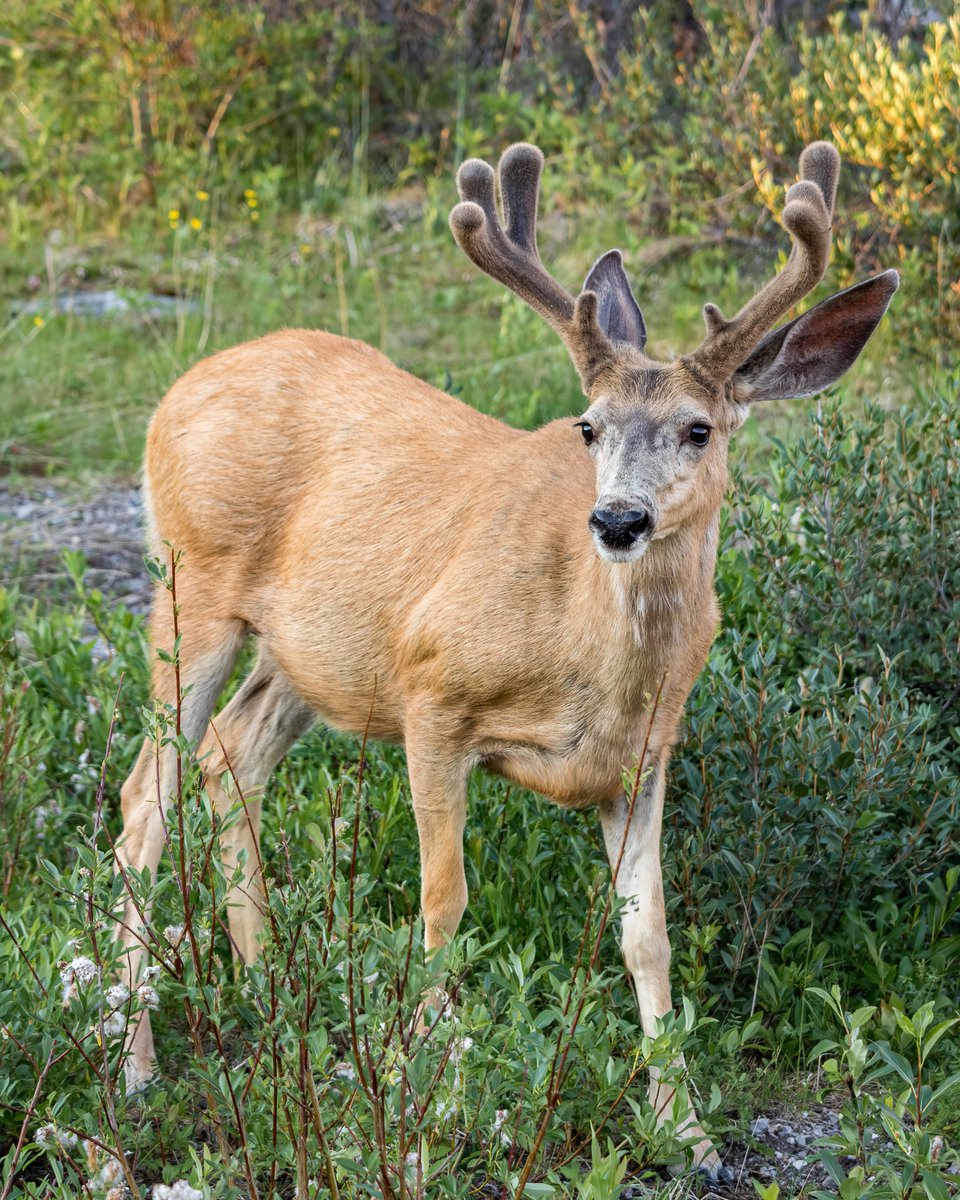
(934, 1186)
(897, 1061)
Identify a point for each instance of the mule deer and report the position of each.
(513, 600)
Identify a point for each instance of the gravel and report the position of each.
(39, 521)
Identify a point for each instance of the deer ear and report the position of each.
(618, 313)
(813, 351)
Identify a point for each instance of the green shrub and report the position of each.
(817, 804)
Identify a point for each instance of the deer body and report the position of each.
(537, 604)
(390, 600)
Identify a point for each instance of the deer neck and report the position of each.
(653, 600)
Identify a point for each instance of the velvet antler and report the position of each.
(806, 216)
(509, 254)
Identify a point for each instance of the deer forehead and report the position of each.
(650, 404)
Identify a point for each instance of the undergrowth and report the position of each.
(811, 835)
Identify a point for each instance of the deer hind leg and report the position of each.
(243, 745)
(646, 948)
(209, 648)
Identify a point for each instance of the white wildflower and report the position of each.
(116, 1193)
(498, 1124)
(149, 996)
(84, 970)
(117, 995)
(114, 1024)
(45, 813)
(45, 1135)
(173, 934)
(345, 1070)
(78, 973)
(181, 1190)
(459, 1048)
(151, 973)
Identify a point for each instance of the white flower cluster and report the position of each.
(45, 814)
(50, 1135)
(117, 995)
(81, 973)
(181, 1190)
(106, 1170)
(148, 996)
(76, 974)
(114, 1023)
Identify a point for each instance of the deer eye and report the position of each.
(587, 430)
(699, 434)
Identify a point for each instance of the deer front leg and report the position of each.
(633, 847)
(438, 787)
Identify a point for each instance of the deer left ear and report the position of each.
(618, 313)
(813, 351)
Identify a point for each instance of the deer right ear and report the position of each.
(618, 313)
(810, 353)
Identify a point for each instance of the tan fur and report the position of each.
(419, 571)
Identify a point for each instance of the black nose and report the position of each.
(619, 530)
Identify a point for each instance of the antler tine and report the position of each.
(510, 255)
(806, 216)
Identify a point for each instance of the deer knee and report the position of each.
(443, 897)
(646, 951)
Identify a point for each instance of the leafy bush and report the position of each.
(817, 798)
(677, 138)
(885, 1149)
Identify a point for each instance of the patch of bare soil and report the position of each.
(39, 520)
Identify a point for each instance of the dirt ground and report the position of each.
(39, 520)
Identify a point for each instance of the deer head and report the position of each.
(658, 432)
